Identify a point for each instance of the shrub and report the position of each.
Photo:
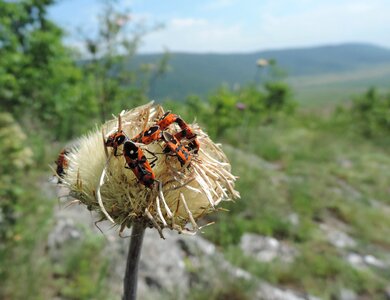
(15, 158)
(371, 113)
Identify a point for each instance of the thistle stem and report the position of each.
(133, 257)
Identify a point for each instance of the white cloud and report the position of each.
(248, 25)
(328, 23)
(278, 26)
(198, 35)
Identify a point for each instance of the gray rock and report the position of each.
(387, 292)
(269, 292)
(347, 294)
(374, 262)
(351, 192)
(162, 265)
(337, 237)
(266, 249)
(363, 261)
(380, 205)
(293, 218)
(345, 163)
(64, 233)
(355, 260)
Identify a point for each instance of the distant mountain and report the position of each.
(200, 73)
(328, 59)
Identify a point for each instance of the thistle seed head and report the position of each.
(181, 194)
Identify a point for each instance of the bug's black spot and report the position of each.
(120, 139)
(165, 115)
(130, 149)
(152, 130)
(169, 138)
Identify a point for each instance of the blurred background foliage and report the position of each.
(289, 158)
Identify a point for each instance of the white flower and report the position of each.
(262, 62)
(181, 195)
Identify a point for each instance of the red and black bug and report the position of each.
(134, 156)
(174, 146)
(115, 140)
(167, 119)
(138, 163)
(62, 164)
(187, 133)
(148, 136)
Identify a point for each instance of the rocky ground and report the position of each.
(171, 267)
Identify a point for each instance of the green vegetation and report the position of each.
(83, 264)
(225, 289)
(299, 167)
(371, 113)
(49, 97)
(37, 71)
(15, 159)
(311, 167)
(243, 108)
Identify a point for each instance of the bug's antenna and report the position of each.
(119, 122)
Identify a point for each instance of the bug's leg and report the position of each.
(116, 154)
(155, 224)
(98, 221)
(123, 227)
(153, 161)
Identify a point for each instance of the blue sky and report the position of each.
(239, 25)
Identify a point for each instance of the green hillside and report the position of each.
(341, 70)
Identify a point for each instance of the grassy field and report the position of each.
(334, 88)
(323, 174)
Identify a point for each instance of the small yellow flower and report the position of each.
(182, 195)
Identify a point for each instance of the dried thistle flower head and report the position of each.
(182, 193)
